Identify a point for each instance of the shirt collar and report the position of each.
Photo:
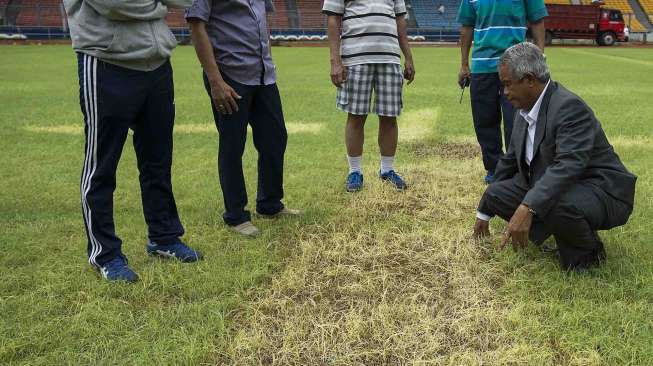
(531, 116)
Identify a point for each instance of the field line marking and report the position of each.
(610, 57)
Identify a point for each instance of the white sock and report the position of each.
(354, 163)
(386, 163)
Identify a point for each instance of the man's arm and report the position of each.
(574, 141)
(338, 71)
(538, 30)
(129, 10)
(535, 13)
(402, 31)
(224, 97)
(466, 37)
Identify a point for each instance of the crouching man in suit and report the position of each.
(560, 176)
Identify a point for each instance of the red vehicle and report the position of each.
(606, 26)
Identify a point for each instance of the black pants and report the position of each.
(260, 107)
(488, 102)
(113, 100)
(573, 222)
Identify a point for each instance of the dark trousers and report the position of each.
(573, 222)
(488, 106)
(259, 107)
(113, 100)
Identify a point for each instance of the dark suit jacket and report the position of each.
(569, 147)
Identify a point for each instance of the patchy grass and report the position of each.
(378, 277)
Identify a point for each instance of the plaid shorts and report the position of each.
(356, 93)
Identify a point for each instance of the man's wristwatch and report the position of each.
(531, 211)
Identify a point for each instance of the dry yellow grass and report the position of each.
(393, 279)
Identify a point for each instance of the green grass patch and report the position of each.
(372, 278)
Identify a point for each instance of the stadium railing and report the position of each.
(47, 21)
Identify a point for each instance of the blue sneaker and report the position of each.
(178, 250)
(354, 182)
(489, 177)
(118, 270)
(395, 179)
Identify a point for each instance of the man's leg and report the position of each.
(388, 86)
(232, 131)
(270, 138)
(486, 112)
(354, 139)
(153, 145)
(354, 98)
(574, 221)
(110, 98)
(502, 198)
(388, 136)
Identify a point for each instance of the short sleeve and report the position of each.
(400, 7)
(466, 14)
(269, 6)
(334, 7)
(200, 9)
(535, 10)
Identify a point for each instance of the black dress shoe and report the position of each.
(549, 248)
(591, 260)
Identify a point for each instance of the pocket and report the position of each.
(168, 39)
(129, 37)
(114, 45)
(400, 76)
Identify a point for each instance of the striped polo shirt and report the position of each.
(369, 30)
(498, 24)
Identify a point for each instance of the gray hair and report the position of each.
(525, 58)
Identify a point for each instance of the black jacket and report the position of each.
(569, 147)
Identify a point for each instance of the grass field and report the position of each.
(366, 279)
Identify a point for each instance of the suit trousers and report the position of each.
(113, 100)
(488, 106)
(573, 221)
(259, 107)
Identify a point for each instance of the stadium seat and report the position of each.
(647, 5)
(427, 16)
(279, 18)
(40, 13)
(175, 18)
(310, 14)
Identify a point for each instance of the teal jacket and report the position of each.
(127, 33)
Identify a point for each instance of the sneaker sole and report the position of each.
(118, 279)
